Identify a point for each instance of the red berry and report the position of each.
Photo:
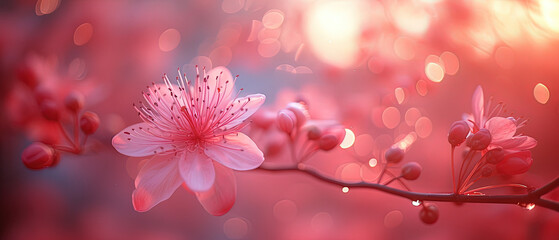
(89, 122)
(495, 155)
(429, 213)
(314, 133)
(328, 142)
(411, 170)
(74, 101)
(50, 110)
(38, 156)
(394, 155)
(480, 140)
(458, 132)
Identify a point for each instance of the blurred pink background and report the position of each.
(385, 69)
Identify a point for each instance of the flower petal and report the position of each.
(236, 151)
(515, 163)
(197, 171)
(477, 105)
(157, 181)
(221, 196)
(140, 140)
(220, 83)
(242, 109)
(501, 128)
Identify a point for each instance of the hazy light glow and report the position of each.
(423, 127)
(550, 12)
(400, 95)
(44, 7)
(373, 162)
(333, 29)
(83, 34)
(235, 228)
(541, 93)
(169, 40)
(273, 19)
(434, 72)
(349, 139)
(391, 117)
(345, 189)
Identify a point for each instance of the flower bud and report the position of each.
(300, 112)
(43, 93)
(495, 155)
(479, 140)
(458, 132)
(328, 142)
(38, 156)
(27, 75)
(74, 101)
(515, 163)
(394, 155)
(49, 110)
(274, 147)
(314, 133)
(89, 122)
(411, 170)
(487, 170)
(263, 119)
(429, 214)
(286, 120)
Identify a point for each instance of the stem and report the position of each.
(452, 169)
(65, 134)
(497, 186)
(76, 131)
(532, 197)
(472, 172)
(392, 180)
(468, 158)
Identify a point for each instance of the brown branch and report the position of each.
(528, 198)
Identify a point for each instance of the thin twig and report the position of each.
(531, 197)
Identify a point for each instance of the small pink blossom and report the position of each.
(502, 129)
(192, 132)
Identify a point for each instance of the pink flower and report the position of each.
(502, 129)
(516, 158)
(192, 132)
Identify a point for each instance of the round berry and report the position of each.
(429, 214)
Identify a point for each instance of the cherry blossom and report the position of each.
(191, 130)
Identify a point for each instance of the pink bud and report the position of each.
(494, 156)
(480, 140)
(411, 170)
(27, 75)
(394, 155)
(328, 142)
(458, 132)
(43, 93)
(286, 120)
(274, 147)
(300, 112)
(89, 122)
(50, 110)
(429, 214)
(487, 170)
(74, 101)
(515, 163)
(37, 156)
(314, 133)
(263, 119)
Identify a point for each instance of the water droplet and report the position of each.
(528, 206)
(416, 203)
(345, 189)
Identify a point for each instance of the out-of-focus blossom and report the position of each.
(192, 132)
